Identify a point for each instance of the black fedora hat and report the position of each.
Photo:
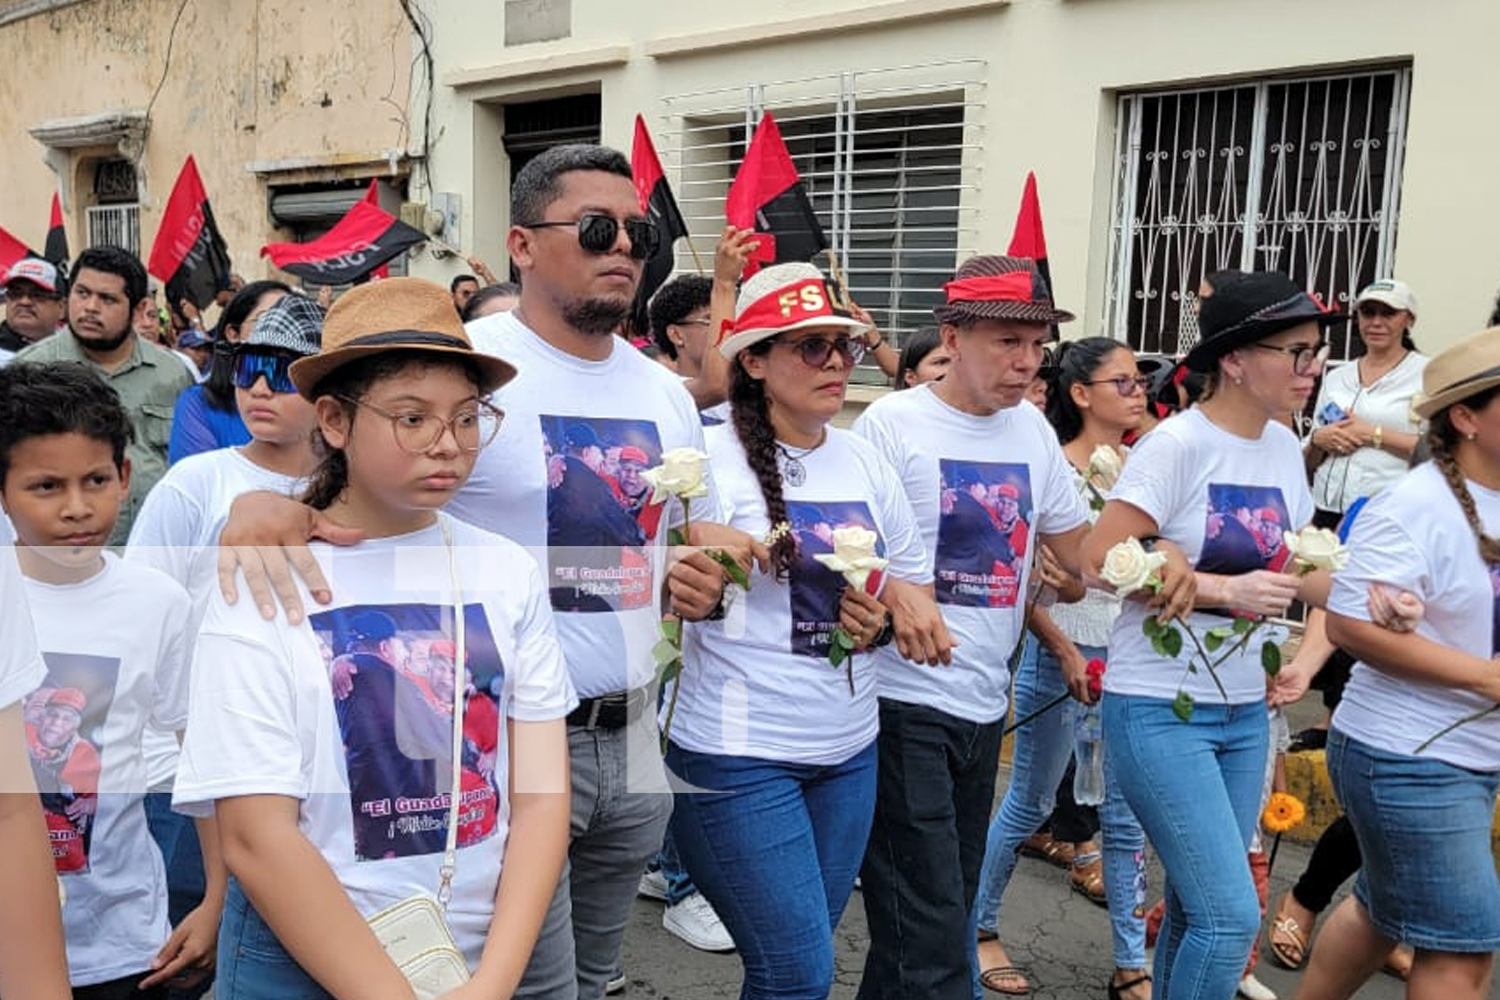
(999, 287)
(1247, 306)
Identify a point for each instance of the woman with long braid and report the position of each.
(1414, 748)
(762, 716)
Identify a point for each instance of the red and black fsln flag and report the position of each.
(56, 248)
(768, 196)
(1029, 239)
(365, 238)
(189, 255)
(12, 251)
(661, 208)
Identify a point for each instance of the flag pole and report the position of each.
(697, 261)
(838, 274)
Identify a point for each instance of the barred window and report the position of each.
(1301, 176)
(888, 159)
(115, 226)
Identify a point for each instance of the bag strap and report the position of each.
(460, 660)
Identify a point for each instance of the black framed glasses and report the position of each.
(597, 233)
(1305, 357)
(251, 365)
(1125, 385)
(417, 433)
(815, 351)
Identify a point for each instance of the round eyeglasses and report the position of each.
(418, 433)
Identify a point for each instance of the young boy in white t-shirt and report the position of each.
(113, 639)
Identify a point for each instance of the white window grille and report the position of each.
(1301, 176)
(889, 158)
(115, 226)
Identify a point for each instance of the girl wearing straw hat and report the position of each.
(1414, 748)
(763, 717)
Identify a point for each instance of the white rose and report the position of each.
(1316, 548)
(1105, 466)
(853, 555)
(680, 474)
(1128, 567)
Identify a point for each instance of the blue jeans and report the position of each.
(776, 854)
(936, 782)
(253, 965)
(1042, 750)
(679, 882)
(1196, 788)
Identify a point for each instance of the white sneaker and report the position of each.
(694, 921)
(1253, 989)
(616, 984)
(653, 885)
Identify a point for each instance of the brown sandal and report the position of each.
(1054, 852)
(1087, 880)
(1289, 949)
(1009, 980)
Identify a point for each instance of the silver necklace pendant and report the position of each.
(792, 469)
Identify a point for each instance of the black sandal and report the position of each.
(1115, 990)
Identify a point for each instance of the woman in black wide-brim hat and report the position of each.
(1221, 480)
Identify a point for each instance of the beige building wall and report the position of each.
(302, 90)
(1052, 73)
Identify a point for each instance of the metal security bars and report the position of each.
(115, 226)
(1299, 175)
(890, 159)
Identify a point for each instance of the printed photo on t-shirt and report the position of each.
(983, 533)
(1495, 612)
(64, 723)
(599, 514)
(1244, 530)
(816, 589)
(393, 668)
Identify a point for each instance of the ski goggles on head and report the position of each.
(597, 233)
(250, 365)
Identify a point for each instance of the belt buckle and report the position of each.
(594, 708)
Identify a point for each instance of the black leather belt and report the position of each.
(610, 711)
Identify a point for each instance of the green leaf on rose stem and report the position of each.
(669, 672)
(1182, 706)
(1270, 658)
(1243, 625)
(843, 639)
(1222, 631)
(1159, 645)
(1172, 639)
(732, 569)
(671, 630)
(837, 654)
(1151, 627)
(676, 537)
(1212, 641)
(664, 652)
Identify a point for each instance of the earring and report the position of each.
(1239, 381)
(1470, 436)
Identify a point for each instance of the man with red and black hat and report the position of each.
(33, 305)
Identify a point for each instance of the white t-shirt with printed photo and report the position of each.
(1225, 501)
(21, 666)
(116, 650)
(373, 768)
(553, 480)
(177, 531)
(1414, 536)
(758, 683)
(983, 488)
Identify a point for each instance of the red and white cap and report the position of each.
(35, 270)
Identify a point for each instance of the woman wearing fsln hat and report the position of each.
(762, 716)
(1414, 751)
(1195, 785)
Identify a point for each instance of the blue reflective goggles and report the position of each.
(275, 368)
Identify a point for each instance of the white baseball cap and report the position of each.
(39, 272)
(1396, 294)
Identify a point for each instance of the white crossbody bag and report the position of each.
(414, 932)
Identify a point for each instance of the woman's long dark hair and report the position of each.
(917, 347)
(218, 388)
(1076, 361)
(352, 381)
(750, 413)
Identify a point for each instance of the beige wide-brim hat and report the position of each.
(783, 298)
(395, 314)
(1467, 368)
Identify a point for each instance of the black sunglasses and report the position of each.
(250, 365)
(597, 233)
(815, 351)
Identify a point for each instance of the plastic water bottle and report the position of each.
(1088, 775)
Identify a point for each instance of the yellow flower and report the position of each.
(1282, 813)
